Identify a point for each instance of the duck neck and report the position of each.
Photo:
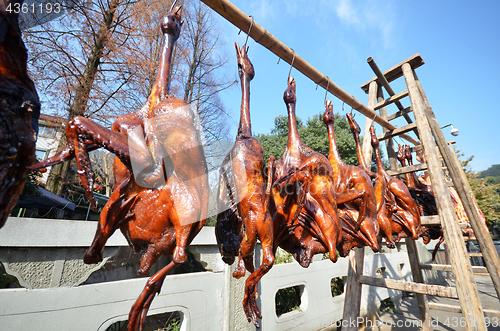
(359, 151)
(162, 83)
(413, 175)
(245, 127)
(409, 179)
(293, 133)
(380, 165)
(333, 156)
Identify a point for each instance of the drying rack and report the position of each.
(430, 136)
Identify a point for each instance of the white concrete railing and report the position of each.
(207, 300)
(97, 306)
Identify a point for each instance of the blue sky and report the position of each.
(458, 41)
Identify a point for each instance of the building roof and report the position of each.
(53, 120)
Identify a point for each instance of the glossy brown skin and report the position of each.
(379, 185)
(404, 211)
(161, 220)
(401, 156)
(424, 199)
(421, 158)
(418, 184)
(244, 215)
(19, 109)
(303, 203)
(426, 203)
(353, 188)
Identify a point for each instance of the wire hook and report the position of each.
(327, 87)
(291, 65)
(172, 8)
(173, 5)
(248, 33)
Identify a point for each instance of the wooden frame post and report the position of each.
(411, 247)
(389, 143)
(367, 145)
(418, 277)
(464, 191)
(388, 88)
(460, 263)
(353, 290)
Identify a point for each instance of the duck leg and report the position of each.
(139, 311)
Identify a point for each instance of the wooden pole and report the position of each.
(389, 143)
(239, 19)
(367, 145)
(418, 277)
(464, 191)
(352, 303)
(388, 87)
(460, 263)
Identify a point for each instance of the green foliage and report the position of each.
(211, 221)
(30, 187)
(281, 125)
(465, 164)
(493, 171)
(388, 305)
(287, 299)
(281, 256)
(175, 325)
(170, 321)
(313, 134)
(272, 144)
(337, 286)
(6, 280)
(493, 180)
(487, 194)
(486, 191)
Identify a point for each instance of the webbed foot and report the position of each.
(250, 304)
(240, 271)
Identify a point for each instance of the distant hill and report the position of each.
(493, 171)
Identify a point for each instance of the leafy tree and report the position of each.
(100, 60)
(201, 62)
(30, 187)
(487, 196)
(313, 134)
(493, 180)
(275, 142)
(72, 56)
(486, 192)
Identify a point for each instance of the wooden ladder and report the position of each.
(430, 135)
